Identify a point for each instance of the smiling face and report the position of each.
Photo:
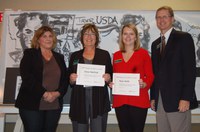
(164, 20)
(89, 38)
(128, 37)
(46, 41)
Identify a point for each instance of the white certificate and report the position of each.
(90, 75)
(126, 84)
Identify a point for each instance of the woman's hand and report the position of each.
(107, 77)
(111, 85)
(51, 96)
(73, 78)
(142, 83)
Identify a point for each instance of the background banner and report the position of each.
(19, 28)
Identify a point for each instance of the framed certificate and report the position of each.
(126, 84)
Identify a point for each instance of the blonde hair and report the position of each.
(39, 33)
(137, 41)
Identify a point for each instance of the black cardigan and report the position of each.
(31, 71)
(100, 96)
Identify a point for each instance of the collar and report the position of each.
(167, 34)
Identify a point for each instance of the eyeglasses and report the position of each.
(162, 17)
(89, 34)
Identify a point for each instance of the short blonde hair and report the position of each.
(137, 42)
(39, 33)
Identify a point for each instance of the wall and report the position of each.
(98, 4)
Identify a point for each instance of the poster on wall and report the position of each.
(19, 28)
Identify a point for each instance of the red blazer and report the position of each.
(140, 62)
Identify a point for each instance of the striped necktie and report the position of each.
(163, 45)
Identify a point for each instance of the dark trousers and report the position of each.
(130, 118)
(40, 120)
(97, 124)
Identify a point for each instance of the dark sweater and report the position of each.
(100, 96)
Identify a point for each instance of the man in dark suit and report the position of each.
(174, 66)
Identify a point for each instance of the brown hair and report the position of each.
(92, 28)
(137, 42)
(39, 33)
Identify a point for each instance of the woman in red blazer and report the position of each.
(131, 111)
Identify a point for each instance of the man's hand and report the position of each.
(184, 105)
(153, 105)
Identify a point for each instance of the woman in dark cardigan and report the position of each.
(89, 105)
(44, 83)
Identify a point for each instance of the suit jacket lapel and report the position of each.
(157, 49)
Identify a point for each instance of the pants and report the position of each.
(98, 124)
(172, 121)
(130, 118)
(40, 121)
